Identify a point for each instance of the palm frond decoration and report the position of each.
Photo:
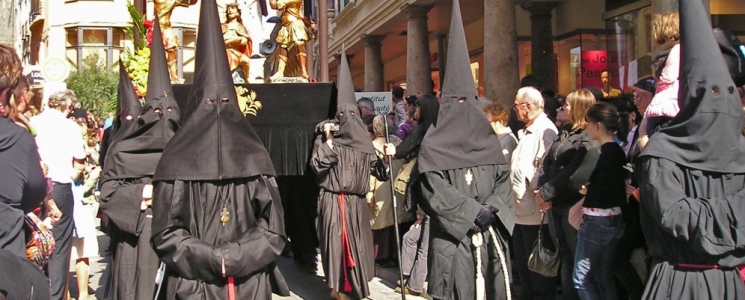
(247, 101)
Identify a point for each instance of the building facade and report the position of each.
(568, 43)
(77, 29)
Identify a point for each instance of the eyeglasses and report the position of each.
(516, 105)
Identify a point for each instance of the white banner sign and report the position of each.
(382, 100)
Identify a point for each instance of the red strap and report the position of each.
(346, 253)
(231, 288)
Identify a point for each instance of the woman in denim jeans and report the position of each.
(601, 178)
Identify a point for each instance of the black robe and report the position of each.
(191, 240)
(452, 205)
(134, 262)
(347, 171)
(692, 217)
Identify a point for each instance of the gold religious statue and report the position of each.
(291, 39)
(237, 41)
(163, 10)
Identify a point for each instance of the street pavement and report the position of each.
(303, 283)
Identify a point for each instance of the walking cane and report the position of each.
(161, 273)
(395, 213)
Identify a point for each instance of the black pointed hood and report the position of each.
(136, 154)
(462, 136)
(352, 131)
(706, 134)
(215, 141)
(129, 107)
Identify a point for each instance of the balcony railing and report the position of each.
(36, 8)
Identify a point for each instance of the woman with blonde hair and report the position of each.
(562, 160)
(380, 201)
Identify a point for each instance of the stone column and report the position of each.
(441, 57)
(542, 62)
(501, 73)
(373, 64)
(323, 40)
(418, 69)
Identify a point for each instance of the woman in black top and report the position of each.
(22, 184)
(601, 177)
(563, 158)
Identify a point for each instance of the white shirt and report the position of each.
(59, 142)
(535, 140)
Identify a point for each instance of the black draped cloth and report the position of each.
(21, 279)
(691, 217)
(193, 242)
(134, 262)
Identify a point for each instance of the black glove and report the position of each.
(473, 229)
(486, 216)
(494, 210)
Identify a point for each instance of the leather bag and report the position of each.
(542, 260)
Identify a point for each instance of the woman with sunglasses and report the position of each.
(562, 160)
(19, 104)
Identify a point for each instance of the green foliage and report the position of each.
(95, 86)
(137, 24)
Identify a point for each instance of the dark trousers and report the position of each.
(596, 251)
(59, 264)
(632, 286)
(567, 237)
(414, 255)
(534, 285)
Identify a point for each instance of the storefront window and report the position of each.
(84, 42)
(632, 43)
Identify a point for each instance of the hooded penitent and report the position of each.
(692, 177)
(129, 107)
(462, 136)
(128, 169)
(343, 168)
(218, 221)
(215, 140)
(352, 132)
(136, 151)
(707, 133)
(464, 176)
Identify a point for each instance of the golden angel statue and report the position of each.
(163, 10)
(237, 41)
(291, 39)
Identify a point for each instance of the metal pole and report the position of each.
(323, 40)
(395, 213)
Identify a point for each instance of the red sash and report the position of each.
(346, 253)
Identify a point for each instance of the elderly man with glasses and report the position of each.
(534, 140)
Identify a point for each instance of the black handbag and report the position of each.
(542, 260)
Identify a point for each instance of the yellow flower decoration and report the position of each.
(247, 101)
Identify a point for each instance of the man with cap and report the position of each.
(127, 190)
(343, 160)
(465, 185)
(692, 178)
(217, 217)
